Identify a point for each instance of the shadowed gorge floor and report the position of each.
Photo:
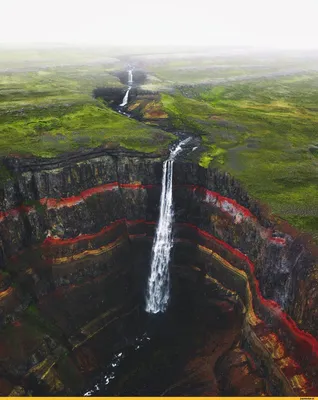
(173, 358)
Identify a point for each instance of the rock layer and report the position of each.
(75, 244)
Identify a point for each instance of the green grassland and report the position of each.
(51, 111)
(181, 75)
(264, 132)
(215, 67)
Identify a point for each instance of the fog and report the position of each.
(262, 24)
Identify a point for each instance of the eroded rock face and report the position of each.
(111, 95)
(75, 241)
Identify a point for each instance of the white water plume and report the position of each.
(159, 280)
(125, 99)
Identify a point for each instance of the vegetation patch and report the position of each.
(46, 113)
(264, 133)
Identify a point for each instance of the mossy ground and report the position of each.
(264, 133)
(217, 67)
(49, 112)
(79, 126)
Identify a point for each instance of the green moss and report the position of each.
(81, 126)
(178, 72)
(46, 113)
(263, 132)
(215, 153)
(305, 223)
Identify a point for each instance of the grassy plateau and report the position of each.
(265, 133)
(49, 110)
(257, 115)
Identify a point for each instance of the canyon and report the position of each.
(133, 273)
(76, 236)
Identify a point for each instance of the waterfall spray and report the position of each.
(159, 280)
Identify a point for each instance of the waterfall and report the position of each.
(130, 82)
(130, 77)
(125, 99)
(159, 281)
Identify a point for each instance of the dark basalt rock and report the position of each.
(112, 95)
(84, 300)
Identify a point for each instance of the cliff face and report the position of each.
(76, 236)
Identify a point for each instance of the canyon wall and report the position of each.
(75, 240)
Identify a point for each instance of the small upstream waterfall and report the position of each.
(130, 77)
(158, 290)
(130, 82)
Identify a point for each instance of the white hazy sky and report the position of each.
(261, 23)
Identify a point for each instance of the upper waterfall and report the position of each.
(130, 77)
(130, 82)
(159, 281)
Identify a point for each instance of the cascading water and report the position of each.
(159, 280)
(125, 99)
(130, 82)
(158, 283)
(130, 77)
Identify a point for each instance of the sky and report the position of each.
(290, 24)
